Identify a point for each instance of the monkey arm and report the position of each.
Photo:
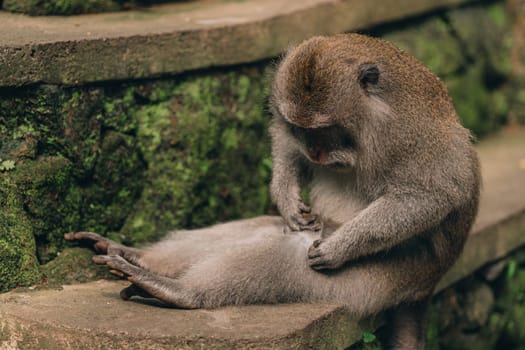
(285, 190)
(285, 187)
(287, 180)
(385, 223)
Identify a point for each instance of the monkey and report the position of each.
(375, 137)
(393, 186)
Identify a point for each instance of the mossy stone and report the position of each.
(60, 7)
(134, 160)
(73, 265)
(200, 145)
(18, 262)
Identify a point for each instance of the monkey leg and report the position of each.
(106, 246)
(407, 326)
(148, 284)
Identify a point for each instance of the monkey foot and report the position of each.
(100, 244)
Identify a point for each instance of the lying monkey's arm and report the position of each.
(287, 178)
(385, 223)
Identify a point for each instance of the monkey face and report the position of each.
(331, 146)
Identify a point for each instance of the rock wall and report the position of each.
(69, 7)
(130, 161)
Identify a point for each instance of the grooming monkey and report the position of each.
(393, 187)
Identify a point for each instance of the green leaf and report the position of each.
(368, 337)
(511, 269)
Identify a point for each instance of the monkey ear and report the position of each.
(368, 74)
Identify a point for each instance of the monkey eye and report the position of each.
(368, 74)
(295, 130)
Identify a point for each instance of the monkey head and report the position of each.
(320, 93)
(337, 94)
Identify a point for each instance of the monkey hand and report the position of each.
(301, 219)
(323, 254)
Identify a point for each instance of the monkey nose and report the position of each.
(317, 154)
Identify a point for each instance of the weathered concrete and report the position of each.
(92, 315)
(178, 37)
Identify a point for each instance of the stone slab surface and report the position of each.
(92, 316)
(174, 38)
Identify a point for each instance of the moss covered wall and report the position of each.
(72, 7)
(132, 160)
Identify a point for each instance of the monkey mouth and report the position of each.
(338, 166)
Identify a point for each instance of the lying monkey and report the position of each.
(394, 188)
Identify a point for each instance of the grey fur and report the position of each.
(394, 188)
(375, 137)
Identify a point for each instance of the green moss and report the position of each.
(480, 109)
(512, 302)
(132, 161)
(199, 146)
(73, 265)
(19, 266)
(60, 7)
(43, 185)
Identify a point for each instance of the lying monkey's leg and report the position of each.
(165, 289)
(107, 246)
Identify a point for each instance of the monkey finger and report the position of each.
(72, 236)
(314, 253)
(314, 226)
(100, 259)
(317, 262)
(100, 243)
(319, 266)
(117, 273)
(117, 262)
(304, 220)
(291, 226)
(101, 246)
(304, 208)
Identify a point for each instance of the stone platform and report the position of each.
(92, 316)
(177, 37)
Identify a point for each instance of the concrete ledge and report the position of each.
(174, 38)
(93, 316)
(500, 225)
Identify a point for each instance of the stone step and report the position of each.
(177, 37)
(93, 316)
